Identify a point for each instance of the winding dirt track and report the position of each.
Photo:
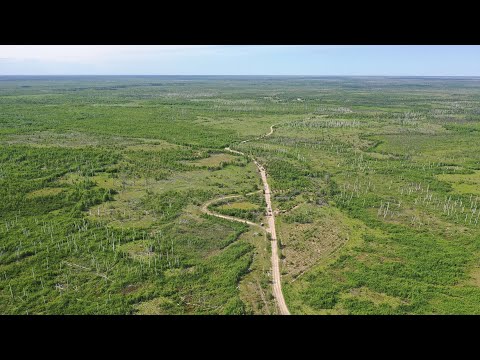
(232, 218)
(276, 277)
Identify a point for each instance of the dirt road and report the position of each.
(277, 285)
(232, 218)
(276, 277)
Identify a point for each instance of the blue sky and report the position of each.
(394, 60)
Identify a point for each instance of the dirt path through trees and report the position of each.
(270, 229)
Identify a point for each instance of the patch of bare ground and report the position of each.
(213, 160)
(129, 289)
(473, 278)
(50, 191)
(157, 306)
(364, 293)
(303, 245)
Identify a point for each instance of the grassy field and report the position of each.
(375, 185)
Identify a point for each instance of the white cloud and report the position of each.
(90, 53)
(135, 54)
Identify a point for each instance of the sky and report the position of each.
(361, 60)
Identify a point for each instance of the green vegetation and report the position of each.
(250, 207)
(375, 182)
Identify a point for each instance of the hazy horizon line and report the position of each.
(246, 75)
